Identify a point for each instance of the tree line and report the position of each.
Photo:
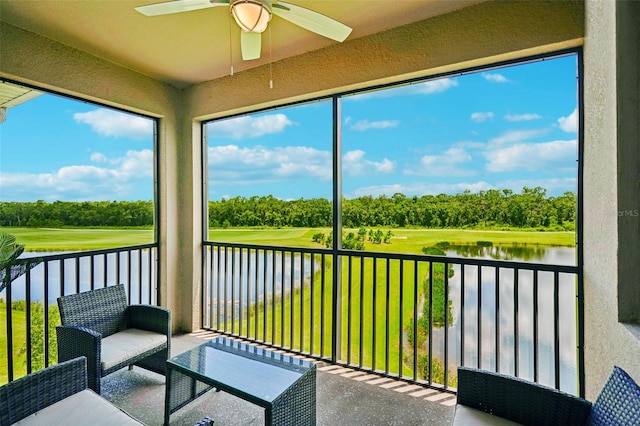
(531, 208)
(59, 214)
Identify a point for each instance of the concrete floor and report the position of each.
(344, 397)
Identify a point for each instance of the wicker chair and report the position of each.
(485, 397)
(57, 395)
(100, 325)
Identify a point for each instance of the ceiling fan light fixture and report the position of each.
(252, 15)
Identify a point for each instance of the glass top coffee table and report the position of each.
(285, 386)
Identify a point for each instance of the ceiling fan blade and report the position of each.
(178, 6)
(250, 44)
(312, 21)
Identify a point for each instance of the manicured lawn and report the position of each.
(47, 239)
(402, 241)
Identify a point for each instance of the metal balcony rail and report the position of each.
(30, 307)
(408, 317)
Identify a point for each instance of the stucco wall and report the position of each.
(607, 342)
(476, 35)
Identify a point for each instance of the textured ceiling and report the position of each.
(192, 47)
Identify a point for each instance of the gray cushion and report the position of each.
(127, 344)
(82, 408)
(467, 416)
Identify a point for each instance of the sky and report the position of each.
(505, 128)
(53, 148)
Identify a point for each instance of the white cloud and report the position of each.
(97, 157)
(137, 163)
(445, 164)
(419, 189)
(569, 124)
(555, 155)
(480, 117)
(82, 182)
(364, 125)
(232, 164)
(517, 136)
(354, 164)
(424, 88)
(496, 78)
(108, 122)
(450, 156)
(434, 86)
(248, 127)
(469, 144)
(522, 117)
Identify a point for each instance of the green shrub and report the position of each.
(433, 251)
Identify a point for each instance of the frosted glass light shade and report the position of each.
(251, 15)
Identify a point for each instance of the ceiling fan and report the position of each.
(253, 16)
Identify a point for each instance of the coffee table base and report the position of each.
(295, 406)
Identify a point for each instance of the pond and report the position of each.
(130, 272)
(507, 311)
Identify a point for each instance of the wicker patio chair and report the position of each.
(57, 395)
(515, 399)
(100, 325)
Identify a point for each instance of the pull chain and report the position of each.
(270, 60)
(230, 48)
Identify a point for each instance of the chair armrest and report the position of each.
(80, 341)
(32, 393)
(519, 400)
(150, 318)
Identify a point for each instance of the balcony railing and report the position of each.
(409, 317)
(520, 318)
(30, 307)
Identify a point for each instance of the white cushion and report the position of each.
(82, 408)
(467, 416)
(128, 343)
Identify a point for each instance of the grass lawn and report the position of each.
(307, 299)
(19, 333)
(403, 240)
(78, 239)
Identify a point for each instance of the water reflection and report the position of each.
(517, 252)
(73, 275)
(239, 278)
(475, 317)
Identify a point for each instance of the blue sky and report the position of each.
(500, 129)
(53, 148)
